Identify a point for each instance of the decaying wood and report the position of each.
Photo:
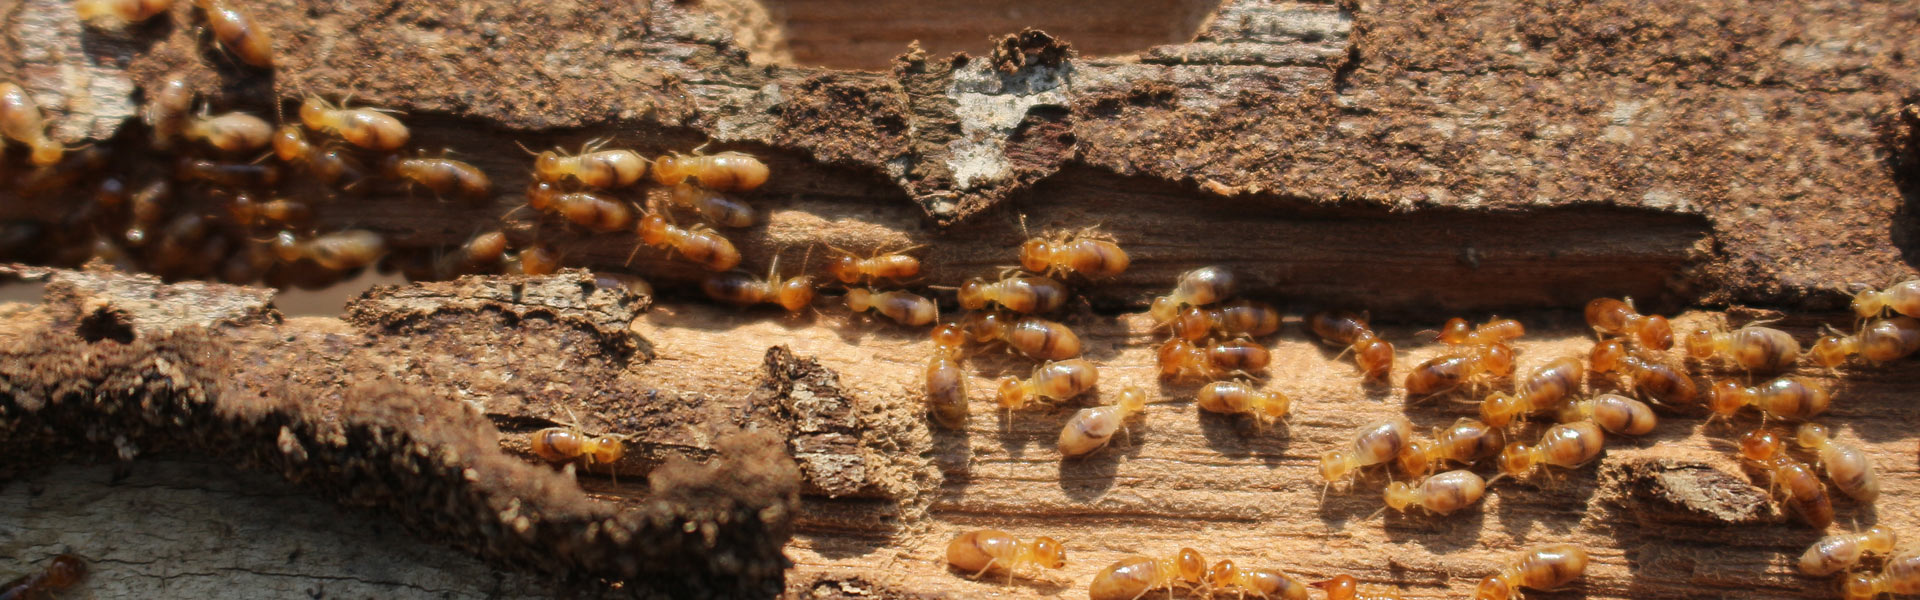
(1419, 159)
(1671, 514)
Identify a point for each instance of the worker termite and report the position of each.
(905, 308)
(591, 167)
(1265, 583)
(982, 550)
(1199, 287)
(1614, 413)
(1796, 398)
(344, 250)
(1839, 551)
(725, 172)
(1466, 441)
(244, 210)
(445, 176)
(1063, 253)
(114, 15)
(20, 121)
(1182, 359)
(1235, 318)
(1035, 337)
(1752, 347)
(1900, 575)
(1240, 398)
(231, 132)
(1440, 494)
(568, 444)
(1846, 464)
(1091, 428)
(166, 111)
(238, 31)
(1373, 443)
(744, 289)
(1902, 298)
(1802, 488)
(586, 209)
(234, 175)
(1618, 317)
(1373, 355)
(1880, 340)
(1658, 380)
(715, 207)
(891, 265)
(1132, 577)
(1541, 568)
(536, 259)
(328, 164)
(1457, 332)
(1019, 293)
(1542, 388)
(1474, 365)
(364, 127)
(484, 251)
(1345, 587)
(947, 382)
(1053, 381)
(1567, 445)
(698, 244)
(63, 572)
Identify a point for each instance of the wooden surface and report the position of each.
(1422, 160)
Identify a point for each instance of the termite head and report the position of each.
(1336, 464)
(1400, 495)
(1516, 459)
(1759, 445)
(1013, 393)
(1049, 552)
(1606, 356)
(1036, 254)
(973, 293)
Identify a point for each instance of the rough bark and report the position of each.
(1419, 159)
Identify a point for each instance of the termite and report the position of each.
(1373, 355)
(1846, 464)
(1566, 445)
(699, 245)
(591, 167)
(238, 32)
(1240, 398)
(905, 308)
(1802, 488)
(1199, 287)
(1618, 317)
(364, 127)
(1372, 444)
(1753, 348)
(1466, 441)
(232, 132)
(1091, 428)
(726, 172)
(1020, 293)
(1541, 568)
(1839, 551)
(20, 120)
(982, 550)
(1051, 382)
(713, 206)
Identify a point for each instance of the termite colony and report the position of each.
(220, 211)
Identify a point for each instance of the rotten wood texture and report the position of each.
(1670, 514)
(1404, 157)
(1419, 159)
